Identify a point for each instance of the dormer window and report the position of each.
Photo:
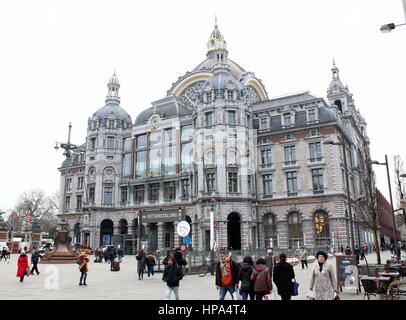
(208, 118)
(287, 119)
(263, 124)
(111, 123)
(230, 95)
(110, 142)
(311, 115)
(231, 117)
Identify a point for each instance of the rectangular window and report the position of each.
(169, 191)
(186, 132)
(80, 183)
(139, 193)
(249, 182)
(187, 156)
(170, 159)
(126, 165)
(141, 141)
(317, 180)
(153, 192)
(127, 144)
(92, 143)
(287, 119)
(78, 202)
(231, 117)
(266, 157)
(91, 194)
(315, 151)
(140, 163)
(290, 155)
(267, 185)
(111, 124)
(155, 138)
(263, 123)
(169, 135)
(185, 188)
(69, 183)
(110, 142)
(232, 182)
(211, 181)
(291, 179)
(208, 119)
(155, 162)
(108, 195)
(311, 115)
(229, 95)
(67, 203)
(124, 191)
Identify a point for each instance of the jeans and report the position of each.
(260, 294)
(169, 290)
(5, 258)
(245, 295)
(83, 276)
(34, 267)
(304, 263)
(223, 291)
(286, 297)
(150, 270)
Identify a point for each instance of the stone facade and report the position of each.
(217, 142)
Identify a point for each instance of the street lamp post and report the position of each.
(390, 195)
(331, 142)
(386, 28)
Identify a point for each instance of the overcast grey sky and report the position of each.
(56, 58)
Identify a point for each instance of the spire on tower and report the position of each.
(216, 40)
(113, 87)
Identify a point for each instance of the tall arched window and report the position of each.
(295, 230)
(321, 228)
(270, 237)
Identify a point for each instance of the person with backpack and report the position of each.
(247, 285)
(150, 263)
(261, 278)
(172, 275)
(83, 262)
(283, 275)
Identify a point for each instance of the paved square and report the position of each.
(104, 284)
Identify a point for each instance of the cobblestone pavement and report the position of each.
(61, 282)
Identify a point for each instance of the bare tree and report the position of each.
(368, 215)
(400, 189)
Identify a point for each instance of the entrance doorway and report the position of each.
(106, 232)
(152, 237)
(234, 231)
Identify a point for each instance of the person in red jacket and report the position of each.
(22, 265)
(262, 279)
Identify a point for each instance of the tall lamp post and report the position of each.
(331, 142)
(390, 194)
(69, 149)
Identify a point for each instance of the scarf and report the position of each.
(321, 266)
(223, 266)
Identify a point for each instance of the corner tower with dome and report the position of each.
(217, 142)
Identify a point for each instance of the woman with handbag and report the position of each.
(323, 280)
(262, 279)
(23, 267)
(283, 275)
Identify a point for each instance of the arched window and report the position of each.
(270, 237)
(321, 228)
(295, 230)
(339, 105)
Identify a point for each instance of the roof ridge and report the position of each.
(297, 93)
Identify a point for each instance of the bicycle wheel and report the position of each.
(203, 271)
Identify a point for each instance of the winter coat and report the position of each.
(141, 263)
(178, 258)
(348, 252)
(172, 275)
(150, 261)
(235, 270)
(323, 283)
(269, 262)
(35, 257)
(247, 285)
(22, 264)
(84, 260)
(262, 278)
(304, 254)
(282, 277)
(165, 260)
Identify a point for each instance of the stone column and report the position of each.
(308, 233)
(161, 235)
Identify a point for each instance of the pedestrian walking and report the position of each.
(106, 254)
(323, 280)
(348, 251)
(247, 285)
(362, 253)
(3, 254)
(178, 256)
(262, 279)
(303, 257)
(150, 263)
(172, 275)
(141, 264)
(112, 257)
(83, 262)
(357, 253)
(269, 260)
(283, 274)
(120, 254)
(227, 272)
(34, 260)
(22, 266)
(168, 255)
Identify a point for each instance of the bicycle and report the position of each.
(206, 268)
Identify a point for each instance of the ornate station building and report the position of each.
(216, 142)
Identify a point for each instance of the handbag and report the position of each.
(270, 296)
(28, 271)
(295, 288)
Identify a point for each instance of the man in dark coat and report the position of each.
(247, 285)
(178, 257)
(227, 275)
(283, 275)
(34, 260)
(348, 251)
(3, 254)
(357, 253)
(172, 275)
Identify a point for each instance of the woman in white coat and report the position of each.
(323, 280)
